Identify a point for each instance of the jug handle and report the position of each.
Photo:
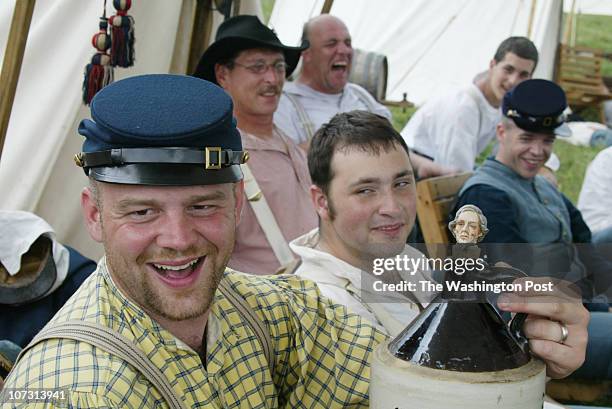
(516, 330)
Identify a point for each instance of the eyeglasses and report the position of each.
(260, 67)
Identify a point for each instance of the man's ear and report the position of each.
(500, 132)
(92, 214)
(239, 195)
(320, 202)
(306, 55)
(492, 63)
(221, 72)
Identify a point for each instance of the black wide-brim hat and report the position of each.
(242, 33)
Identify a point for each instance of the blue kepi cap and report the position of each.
(161, 129)
(537, 105)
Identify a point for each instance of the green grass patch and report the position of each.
(266, 8)
(574, 161)
(401, 116)
(596, 32)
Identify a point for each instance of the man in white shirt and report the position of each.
(453, 129)
(322, 89)
(595, 199)
(364, 193)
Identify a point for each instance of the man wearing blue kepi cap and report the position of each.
(523, 207)
(163, 322)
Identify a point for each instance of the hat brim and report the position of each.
(38, 274)
(165, 174)
(563, 130)
(227, 46)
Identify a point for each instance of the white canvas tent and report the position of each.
(37, 172)
(432, 45)
(603, 7)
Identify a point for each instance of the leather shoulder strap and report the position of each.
(305, 121)
(115, 344)
(266, 218)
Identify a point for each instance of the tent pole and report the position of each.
(575, 28)
(569, 24)
(200, 36)
(15, 48)
(327, 6)
(531, 17)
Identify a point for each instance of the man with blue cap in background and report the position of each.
(523, 207)
(162, 318)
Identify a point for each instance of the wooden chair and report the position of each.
(579, 74)
(435, 198)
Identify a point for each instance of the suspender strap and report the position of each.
(307, 124)
(121, 347)
(252, 319)
(115, 344)
(266, 219)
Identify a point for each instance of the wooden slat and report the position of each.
(435, 199)
(15, 49)
(579, 75)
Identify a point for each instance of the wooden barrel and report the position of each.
(370, 70)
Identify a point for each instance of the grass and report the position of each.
(401, 116)
(595, 32)
(266, 8)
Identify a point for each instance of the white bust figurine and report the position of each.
(469, 225)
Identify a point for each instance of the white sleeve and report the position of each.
(377, 108)
(458, 136)
(380, 109)
(596, 194)
(287, 119)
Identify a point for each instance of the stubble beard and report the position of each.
(139, 286)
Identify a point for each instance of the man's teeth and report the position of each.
(176, 268)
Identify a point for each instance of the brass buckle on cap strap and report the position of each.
(208, 164)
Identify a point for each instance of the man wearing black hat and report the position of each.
(162, 319)
(250, 63)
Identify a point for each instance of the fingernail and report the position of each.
(503, 301)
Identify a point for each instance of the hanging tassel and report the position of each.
(122, 35)
(99, 72)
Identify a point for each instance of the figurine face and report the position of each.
(467, 228)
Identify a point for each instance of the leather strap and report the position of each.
(266, 218)
(115, 344)
(305, 121)
(183, 156)
(121, 347)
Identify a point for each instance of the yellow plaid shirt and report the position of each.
(322, 353)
